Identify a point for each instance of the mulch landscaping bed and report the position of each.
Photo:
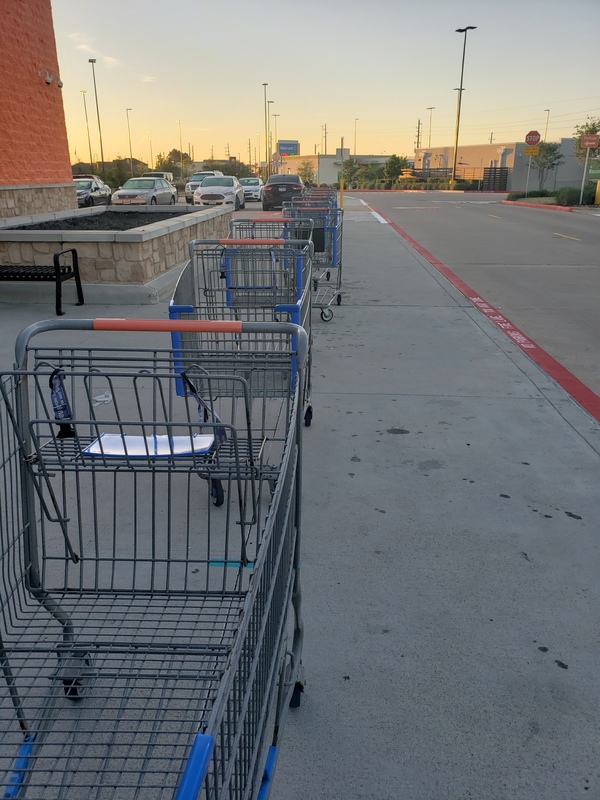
(109, 221)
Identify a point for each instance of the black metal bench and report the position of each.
(57, 272)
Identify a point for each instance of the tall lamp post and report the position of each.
(430, 109)
(355, 121)
(270, 148)
(460, 91)
(547, 110)
(92, 61)
(151, 165)
(87, 125)
(276, 144)
(266, 133)
(180, 149)
(127, 110)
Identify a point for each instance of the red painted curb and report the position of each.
(581, 393)
(536, 205)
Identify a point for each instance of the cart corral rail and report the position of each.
(150, 626)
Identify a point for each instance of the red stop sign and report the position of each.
(533, 137)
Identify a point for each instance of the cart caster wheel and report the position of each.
(315, 285)
(326, 314)
(297, 695)
(308, 415)
(338, 299)
(216, 493)
(74, 686)
(328, 274)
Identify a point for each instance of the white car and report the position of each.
(145, 192)
(195, 181)
(252, 188)
(220, 190)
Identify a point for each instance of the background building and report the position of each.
(473, 160)
(35, 170)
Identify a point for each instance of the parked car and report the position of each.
(92, 192)
(279, 189)
(195, 181)
(220, 190)
(168, 176)
(145, 192)
(252, 188)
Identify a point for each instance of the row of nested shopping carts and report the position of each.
(150, 515)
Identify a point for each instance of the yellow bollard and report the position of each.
(597, 198)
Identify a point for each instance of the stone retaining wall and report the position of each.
(36, 199)
(137, 256)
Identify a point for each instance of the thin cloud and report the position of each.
(111, 62)
(146, 78)
(85, 47)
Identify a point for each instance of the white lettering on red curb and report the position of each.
(503, 323)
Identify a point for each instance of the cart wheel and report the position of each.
(315, 285)
(74, 686)
(308, 415)
(328, 274)
(216, 492)
(338, 299)
(297, 695)
(326, 314)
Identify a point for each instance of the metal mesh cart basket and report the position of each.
(150, 632)
(252, 280)
(327, 240)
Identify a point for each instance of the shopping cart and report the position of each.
(252, 280)
(148, 641)
(327, 240)
(270, 228)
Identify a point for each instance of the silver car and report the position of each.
(224, 190)
(252, 188)
(145, 192)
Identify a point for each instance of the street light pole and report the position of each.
(87, 125)
(127, 110)
(276, 144)
(266, 133)
(430, 109)
(547, 110)
(92, 61)
(180, 149)
(151, 158)
(355, 121)
(269, 104)
(460, 91)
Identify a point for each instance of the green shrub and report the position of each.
(532, 193)
(568, 196)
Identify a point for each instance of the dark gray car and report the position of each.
(92, 192)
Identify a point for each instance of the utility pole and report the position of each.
(325, 135)
(249, 153)
(418, 134)
(491, 137)
(227, 149)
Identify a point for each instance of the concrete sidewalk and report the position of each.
(450, 549)
(450, 553)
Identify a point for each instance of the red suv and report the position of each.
(279, 189)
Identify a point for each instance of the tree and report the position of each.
(118, 172)
(394, 166)
(591, 126)
(172, 162)
(236, 168)
(547, 159)
(306, 172)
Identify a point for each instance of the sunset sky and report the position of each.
(371, 67)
